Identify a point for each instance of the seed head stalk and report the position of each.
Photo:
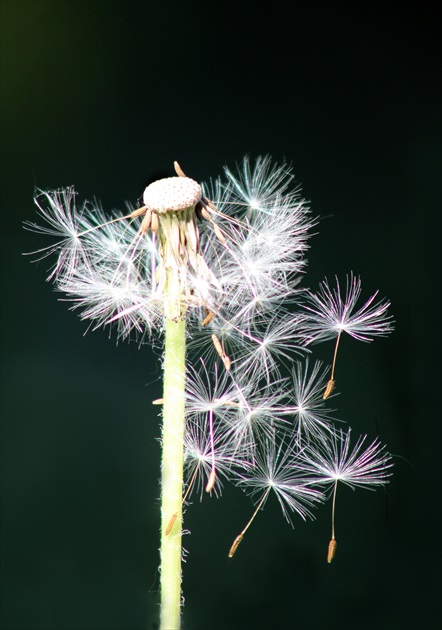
(172, 203)
(172, 471)
(172, 463)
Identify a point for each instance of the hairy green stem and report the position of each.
(172, 473)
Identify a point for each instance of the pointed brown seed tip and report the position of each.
(146, 222)
(205, 214)
(170, 524)
(208, 318)
(235, 545)
(329, 389)
(178, 170)
(218, 347)
(211, 481)
(138, 212)
(154, 222)
(331, 550)
(223, 356)
(218, 233)
(227, 362)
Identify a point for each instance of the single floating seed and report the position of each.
(158, 401)
(329, 389)
(331, 550)
(235, 545)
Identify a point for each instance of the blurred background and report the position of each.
(105, 96)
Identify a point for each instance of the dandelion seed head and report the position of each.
(172, 194)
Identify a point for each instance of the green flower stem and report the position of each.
(172, 472)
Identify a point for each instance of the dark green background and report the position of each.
(104, 96)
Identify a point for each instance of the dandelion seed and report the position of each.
(274, 469)
(258, 412)
(327, 314)
(270, 346)
(332, 461)
(209, 456)
(208, 449)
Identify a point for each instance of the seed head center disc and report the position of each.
(172, 194)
